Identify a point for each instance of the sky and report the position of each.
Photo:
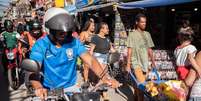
(3, 3)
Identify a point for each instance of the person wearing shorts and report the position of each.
(187, 67)
(139, 51)
(101, 45)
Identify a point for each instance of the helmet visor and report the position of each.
(61, 22)
(62, 36)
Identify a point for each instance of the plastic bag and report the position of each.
(174, 90)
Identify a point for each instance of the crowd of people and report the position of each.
(55, 45)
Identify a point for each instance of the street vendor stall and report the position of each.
(168, 87)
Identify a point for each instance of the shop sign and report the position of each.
(59, 3)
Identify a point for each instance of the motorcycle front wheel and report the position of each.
(13, 78)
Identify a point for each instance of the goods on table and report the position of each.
(165, 64)
(171, 90)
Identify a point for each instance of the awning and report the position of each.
(95, 7)
(151, 3)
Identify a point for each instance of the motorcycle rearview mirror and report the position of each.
(30, 65)
(33, 66)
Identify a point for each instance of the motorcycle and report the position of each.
(58, 94)
(112, 64)
(13, 59)
(13, 68)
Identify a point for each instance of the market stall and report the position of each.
(171, 88)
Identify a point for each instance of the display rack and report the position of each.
(165, 64)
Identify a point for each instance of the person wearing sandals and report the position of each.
(187, 67)
(101, 45)
(139, 51)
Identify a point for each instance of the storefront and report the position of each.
(164, 18)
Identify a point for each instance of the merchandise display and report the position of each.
(164, 60)
(171, 90)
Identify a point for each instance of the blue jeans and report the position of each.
(102, 58)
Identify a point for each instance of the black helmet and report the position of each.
(8, 25)
(35, 28)
(58, 19)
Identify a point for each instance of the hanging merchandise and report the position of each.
(165, 64)
(83, 3)
(120, 35)
(59, 3)
(70, 7)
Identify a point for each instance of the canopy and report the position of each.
(151, 3)
(96, 7)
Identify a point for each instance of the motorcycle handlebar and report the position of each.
(59, 93)
(51, 94)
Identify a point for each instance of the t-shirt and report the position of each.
(181, 55)
(139, 42)
(102, 45)
(10, 39)
(58, 64)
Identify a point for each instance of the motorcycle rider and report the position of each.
(10, 39)
(9, 35)
(31, 37)
(57, 52)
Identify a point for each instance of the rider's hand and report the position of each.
(41, 92)
(112, 82)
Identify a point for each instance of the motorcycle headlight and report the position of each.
(10, 56)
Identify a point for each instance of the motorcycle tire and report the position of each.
(13, 78)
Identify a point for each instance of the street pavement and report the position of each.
(124, 93)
